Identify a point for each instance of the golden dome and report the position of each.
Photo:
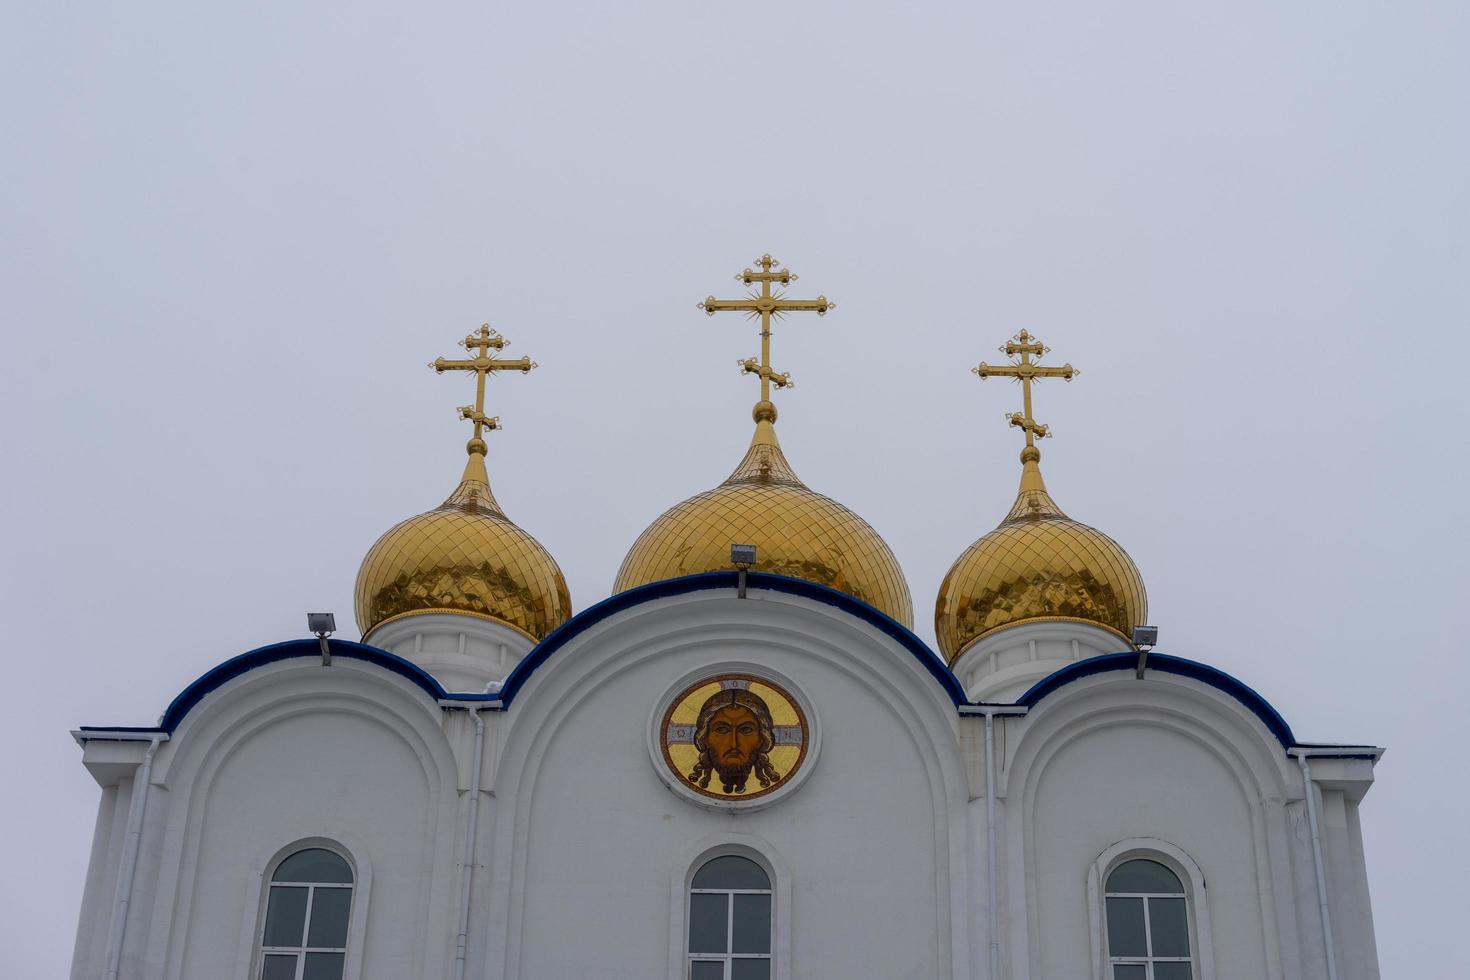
(466, 557)
(797, 532)
(1038, 565)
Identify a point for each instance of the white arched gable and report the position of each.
(280, 709)
(1235, 757)
(659, 642)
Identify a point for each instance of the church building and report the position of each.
(680, 780)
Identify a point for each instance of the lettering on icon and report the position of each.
(734, 737)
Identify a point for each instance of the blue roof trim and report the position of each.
(1165, 664)
(706, 581)
(276, 652)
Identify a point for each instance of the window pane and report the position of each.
(285, 917)
(1144, 876)
(1125, 927)
(323, 966)
(329, 917)
(1173, 971)
(1130, 972)
(279, 968)
(731, 872)
(706, 971)
(752, 924)
(750, 969)
(1168, 927)
(708, 923)
(314, 864)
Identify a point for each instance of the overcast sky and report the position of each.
(232, 235)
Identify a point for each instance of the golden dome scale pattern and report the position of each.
(464, 556)
(1038, 565)
(797, 532)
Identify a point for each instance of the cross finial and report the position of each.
(766, 305)
(483, 363)
(1024, 351)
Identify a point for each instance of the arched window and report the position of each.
(730, 921)
(1148, 923)
(305, 932)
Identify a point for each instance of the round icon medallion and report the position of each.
(734, 737)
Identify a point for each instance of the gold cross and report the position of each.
(482, 342)
(766, 305)
(1027, 350)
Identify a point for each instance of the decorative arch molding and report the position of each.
(721, 581)
(681, 875)
(1163, 663)
(1196, 713)
(620, 643)
(1176, 860)
(207, 740)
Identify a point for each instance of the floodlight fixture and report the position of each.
(322, 625)
(1144, 640)
(742, 556)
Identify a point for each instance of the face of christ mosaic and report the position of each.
(735, 737)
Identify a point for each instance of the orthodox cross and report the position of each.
(1026, 350)
(766, 305)
(482, 342)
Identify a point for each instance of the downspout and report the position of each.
(472, 828)
(1307, 787)
(990, 845)
(129, 865)
(992, 872)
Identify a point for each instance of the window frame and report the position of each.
(251, 961)
(681, 884)
(727, 958)
(1201, 949)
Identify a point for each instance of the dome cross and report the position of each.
(766, 305)
(1025, 350)
(483, 364)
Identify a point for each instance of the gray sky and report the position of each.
(232, 235)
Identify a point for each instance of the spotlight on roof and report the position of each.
(322, 625)
(1144, 639)
(742, 556)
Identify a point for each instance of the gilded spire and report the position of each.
(1025, 351)
(483, 364)
(766, 305)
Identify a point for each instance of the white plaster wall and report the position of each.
(874, 840)
(582, 852)
(1138, 780)
(352, 779)
(1002, 666)
(290, 752)
(464, 653)
(1110, 758)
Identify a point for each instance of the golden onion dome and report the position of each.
(466, 557)
(1038, 565)
(797, 532)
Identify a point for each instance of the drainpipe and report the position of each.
(129, 867)
(992, 873)
(472, 826)
(1307, 787)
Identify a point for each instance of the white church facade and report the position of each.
(738, 766)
